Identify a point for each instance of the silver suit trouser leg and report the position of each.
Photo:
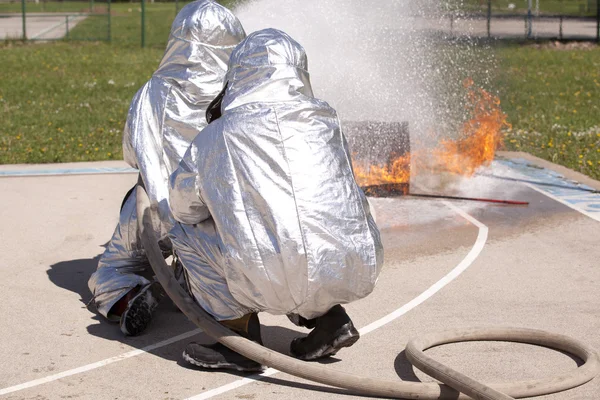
(197, 247)
(121, 266)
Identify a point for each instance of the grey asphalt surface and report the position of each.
(38, 25)
(517, 28)
(538, 269)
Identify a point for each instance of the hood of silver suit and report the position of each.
(269, 66)
(201, 34)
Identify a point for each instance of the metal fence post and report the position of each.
(529, 20)
(23, 14)
(489, 18)
(67, 25)
(598, 21)
(143, 23)
(560, 28)
(109, 23)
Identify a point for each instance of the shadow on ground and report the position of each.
(277, 338)
(73, 275)
(404, 368)
(168, 321)
(405, 371)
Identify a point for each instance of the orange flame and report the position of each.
(479, 139)
(398, 171)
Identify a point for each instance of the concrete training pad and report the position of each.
(536, 267)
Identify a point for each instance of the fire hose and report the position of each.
(455, 385)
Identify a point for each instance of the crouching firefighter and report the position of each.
(270, 216)
(164, 117)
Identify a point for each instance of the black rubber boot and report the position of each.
(333, 331)
(138, 314)
(299, 320)
(220, 356)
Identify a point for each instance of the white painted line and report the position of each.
(436, 287)
(234, 385)
(51, 28)
(459, 269)
(566, 203)
(99, 364)
(67, 171)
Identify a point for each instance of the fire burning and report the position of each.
(479, 139)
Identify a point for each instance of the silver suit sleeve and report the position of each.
(184, 197)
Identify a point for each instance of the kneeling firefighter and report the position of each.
(164, 117)
(271, 218)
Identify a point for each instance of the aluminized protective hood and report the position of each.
(202, 38)
(169, 110)
(274, 173)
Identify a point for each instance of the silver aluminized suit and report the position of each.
(165, 116)
(271, 216)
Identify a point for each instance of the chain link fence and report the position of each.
(147, 23)
(526, 19)
(131, 23)
(54, 20)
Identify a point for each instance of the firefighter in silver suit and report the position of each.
(164, 117)
(270, 217)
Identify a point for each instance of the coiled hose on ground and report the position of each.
(456, 385)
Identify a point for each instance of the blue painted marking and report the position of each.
(580, 199)
(69, 171)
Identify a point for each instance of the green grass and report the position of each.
(67, 101)
(552, 98)
(126, 27)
